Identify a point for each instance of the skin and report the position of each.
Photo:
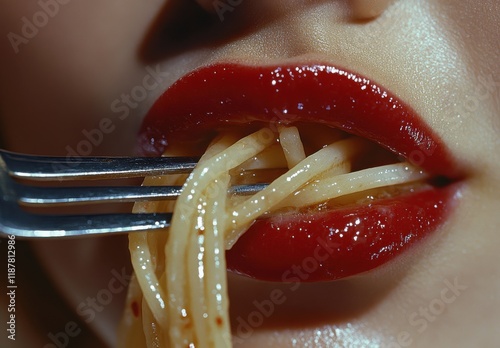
(435, 54)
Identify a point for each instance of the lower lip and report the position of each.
(339, 243)
(320, 246)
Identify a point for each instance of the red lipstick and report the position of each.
(324, 245)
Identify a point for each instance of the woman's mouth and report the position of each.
(326, 240)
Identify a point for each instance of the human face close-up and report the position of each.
(79, 77)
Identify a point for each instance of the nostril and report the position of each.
(366, 9)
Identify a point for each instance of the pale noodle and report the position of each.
(178, 297)
(292, 145)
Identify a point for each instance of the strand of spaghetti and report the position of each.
(153, 333)
(156, 244)
(324, 159)
(165, 333)
(219, 144)
(327, 188)
(182, 227)
(153, 294)
(292, 145)
(197, 273)
(342, 168)
(216, 282)
(142, 256)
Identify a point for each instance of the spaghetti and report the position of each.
(178, 297)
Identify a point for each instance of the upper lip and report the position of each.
(225, 93)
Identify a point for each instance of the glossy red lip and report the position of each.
(337, 243)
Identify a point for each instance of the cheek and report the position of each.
(60, 76)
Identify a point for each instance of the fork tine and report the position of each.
(31, 225)
(62, 168)
(30, 195)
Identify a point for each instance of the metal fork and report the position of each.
(14, 220)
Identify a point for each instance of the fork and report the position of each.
(14, 220)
